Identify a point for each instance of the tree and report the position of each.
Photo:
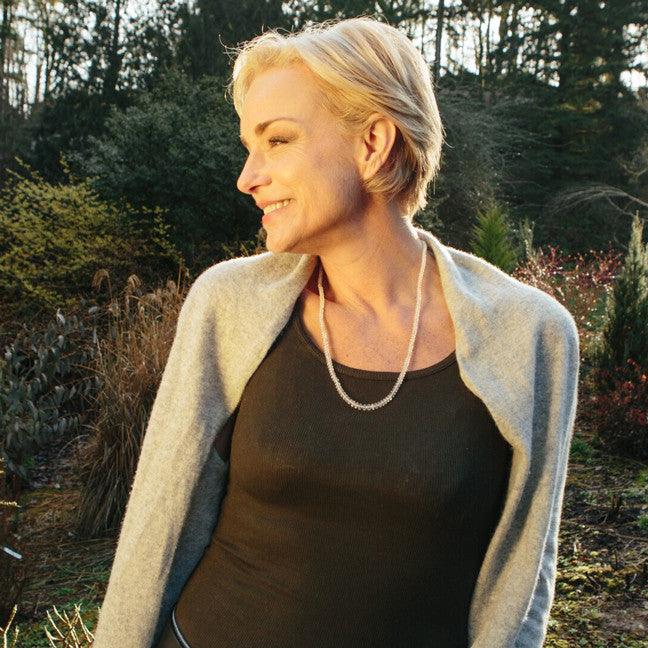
(624, 334)
(211, 25)
(177, 148)
(491, 238)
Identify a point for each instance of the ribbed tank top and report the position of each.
(341, 528)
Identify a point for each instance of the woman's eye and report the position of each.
(277, 140)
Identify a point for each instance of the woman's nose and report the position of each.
(250, 175)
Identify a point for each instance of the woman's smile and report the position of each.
(275, 212)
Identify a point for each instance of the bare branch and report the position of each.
(589, 194)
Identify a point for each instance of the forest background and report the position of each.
(119, 154)
(544, 105)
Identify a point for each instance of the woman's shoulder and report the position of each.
(243, 287)
(510, 295)
(237, 273)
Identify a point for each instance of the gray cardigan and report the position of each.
(517, 349)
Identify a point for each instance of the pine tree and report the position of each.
(626, 330)
(491, 238)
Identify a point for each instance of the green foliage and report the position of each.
(642, 477)
(491, 239)
(208, 24)
(63, 125)
(178, 149)
(44, 382)
(624, 334)
(53, 238)
(581, 450)
(618, 408)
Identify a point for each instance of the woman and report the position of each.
(361, 436)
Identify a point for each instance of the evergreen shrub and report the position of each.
(177, 148)
(618, 402)
(491, 238)
(625, 333)
(54, 237)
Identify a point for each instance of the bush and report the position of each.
(490, 239)
(625, 334)
(53, 238)
(619, 413)
(479, 140)
(618, 384)
(178, 149)
(580, 283)
(44, 383)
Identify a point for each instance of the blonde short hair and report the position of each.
(362, 66)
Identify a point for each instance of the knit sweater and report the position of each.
(517, 350)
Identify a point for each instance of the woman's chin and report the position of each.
(275, 243)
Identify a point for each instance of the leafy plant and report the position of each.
(625, 332)
(53, 238)
(491, 239)
(44, 380)
(581, 283)
(177, 149)
(581, 450)
(619, 413)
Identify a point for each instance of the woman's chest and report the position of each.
(384, 348)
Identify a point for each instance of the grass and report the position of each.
(63, 571)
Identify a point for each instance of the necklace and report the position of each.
(327, 352)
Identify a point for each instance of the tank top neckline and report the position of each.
(340, 368)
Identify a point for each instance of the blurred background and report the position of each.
(119, 154)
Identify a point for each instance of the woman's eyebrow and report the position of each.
(259, 128)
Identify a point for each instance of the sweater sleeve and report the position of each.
(138, 596)
(533, 630)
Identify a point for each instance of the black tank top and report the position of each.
(343, 528)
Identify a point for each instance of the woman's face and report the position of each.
(306, 160)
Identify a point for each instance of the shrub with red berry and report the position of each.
(617, 408)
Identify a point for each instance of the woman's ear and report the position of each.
(376, 143)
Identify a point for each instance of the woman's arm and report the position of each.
(534, 627)
(223, 440)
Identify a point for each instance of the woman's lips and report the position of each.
(268, 217)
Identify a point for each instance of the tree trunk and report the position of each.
(489, 65)
(480, 43)
(5, 30)
(513, 46)
(114, 60)
(437, 44)
(503, 33)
